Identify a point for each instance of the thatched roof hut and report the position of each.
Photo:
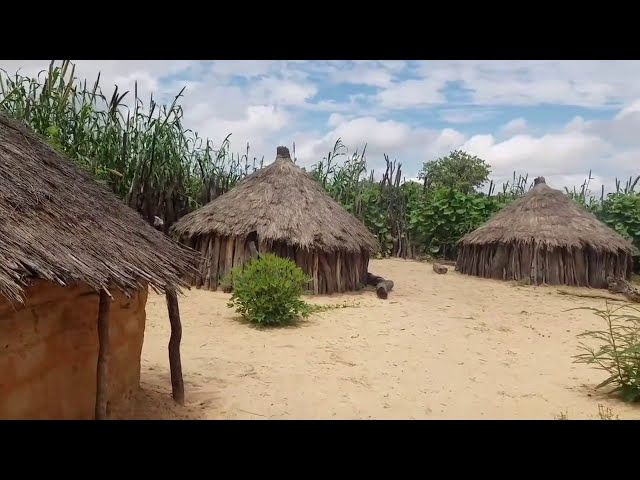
(74, 271)
(548, 238)
(281, 209)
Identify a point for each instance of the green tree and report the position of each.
(458, 170)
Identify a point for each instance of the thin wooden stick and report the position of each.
(175, 364)
(583, 295)
(102, 372)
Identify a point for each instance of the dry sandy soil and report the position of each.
(440, 347)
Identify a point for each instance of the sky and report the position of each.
(551, 118)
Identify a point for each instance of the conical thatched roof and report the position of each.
(548, 216)
(58, 224)
(281, 202)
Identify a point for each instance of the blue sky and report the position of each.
(558, 119)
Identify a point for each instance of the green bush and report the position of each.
(622, 213)
(267, 290)
(443, 216)
(619, 351)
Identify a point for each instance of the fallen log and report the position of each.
(440, 269)
(383, 286)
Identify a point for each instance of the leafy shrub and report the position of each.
(619, 352)
(442, 217)
(459, 170)
(267, 290)
(622, 213)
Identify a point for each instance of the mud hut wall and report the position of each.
(50, 350)
(330, 271)
(542, 265)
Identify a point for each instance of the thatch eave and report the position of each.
(57, 223)
(345, 246)
(505, 241)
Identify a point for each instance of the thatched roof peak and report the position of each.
(283, 152)
(57, 223)
(283, 203)
(539, 180)
(548, 217)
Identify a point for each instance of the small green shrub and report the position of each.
(267, 290)
(619, 352)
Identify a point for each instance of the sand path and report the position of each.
(441, 347)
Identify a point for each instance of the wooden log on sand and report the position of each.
(383, 287)
(440, 269)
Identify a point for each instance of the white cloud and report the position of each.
(559, 153)
(335, 119)
(631, 108)
(282, 92)
(411, 93)
(577, 124)
(377, 77)
(242, 68)
(410, 146)
(596, 83)
(514, 127)
(465, 115)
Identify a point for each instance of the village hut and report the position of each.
(75, 265)
(280, 209)
(545, 237)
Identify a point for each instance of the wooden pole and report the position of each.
(102, 375)
(177, 384)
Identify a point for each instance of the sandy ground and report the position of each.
(440, 347)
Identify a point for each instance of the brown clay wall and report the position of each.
(49, 350)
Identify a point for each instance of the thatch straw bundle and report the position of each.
(547, 238)
(58, 224)
(285, 211)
